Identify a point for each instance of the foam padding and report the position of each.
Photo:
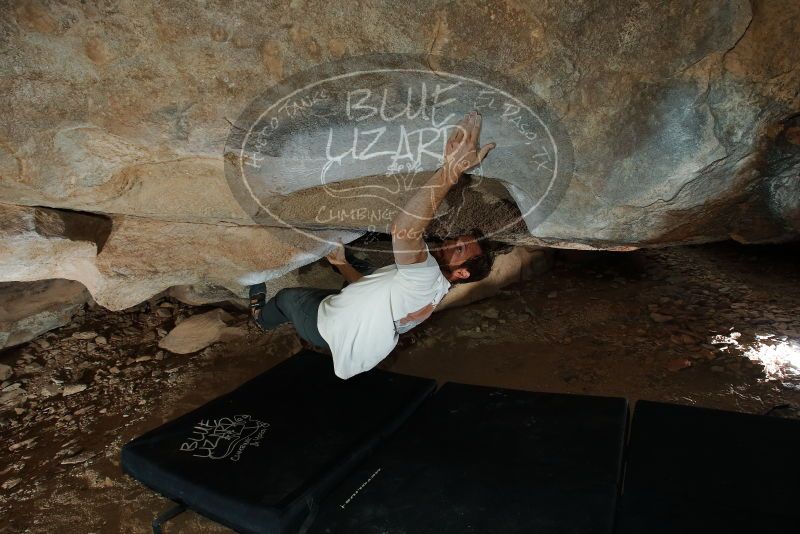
(701, 470)
(488, 460)
(259, 458)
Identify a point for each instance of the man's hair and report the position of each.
(479, 266)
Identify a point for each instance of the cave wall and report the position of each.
(683, 119)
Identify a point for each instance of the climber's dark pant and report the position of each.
(298, 305)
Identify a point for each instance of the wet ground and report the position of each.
(713, 326)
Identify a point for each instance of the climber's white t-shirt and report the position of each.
(361, 324)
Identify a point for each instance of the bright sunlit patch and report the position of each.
(726, 342)
(779, 355)
(780, 358)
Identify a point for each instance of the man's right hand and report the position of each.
(463, 151)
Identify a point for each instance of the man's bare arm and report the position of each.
(462, 153)
(409, 225)
(349, 272)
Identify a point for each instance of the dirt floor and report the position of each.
(713, 326)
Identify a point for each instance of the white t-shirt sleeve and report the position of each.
(422, 276)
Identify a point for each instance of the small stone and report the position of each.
(72, 389)
(143, 359)
(101, 340)
(27, 444)
(48, 390)
(33, 367)
(43, 343)
(79, 458)
(13, 396)
(490, 313)
(84, 335)
(164, 312)
(68, 450)
(114, 370)
(678, 364)
(660, 317)
(6, 372)
(10, 483)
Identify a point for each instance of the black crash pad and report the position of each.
(486, 460)
(693, 470)
(259, 458)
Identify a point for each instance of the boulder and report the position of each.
(682, 118)
(198, 332)
(678, 122)
(317, 274)
(28, 309)
(6, 372)
(124, 260)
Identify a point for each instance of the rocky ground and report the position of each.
(706, 325)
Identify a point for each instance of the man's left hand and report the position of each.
(337, 257)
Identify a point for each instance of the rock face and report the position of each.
(126, 260)
(682, 119)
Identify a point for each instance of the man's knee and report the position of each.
(280, 299)
(289, 299)
(280, 294)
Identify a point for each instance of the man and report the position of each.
(360, 324)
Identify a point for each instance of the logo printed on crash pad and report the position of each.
(226, 437)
